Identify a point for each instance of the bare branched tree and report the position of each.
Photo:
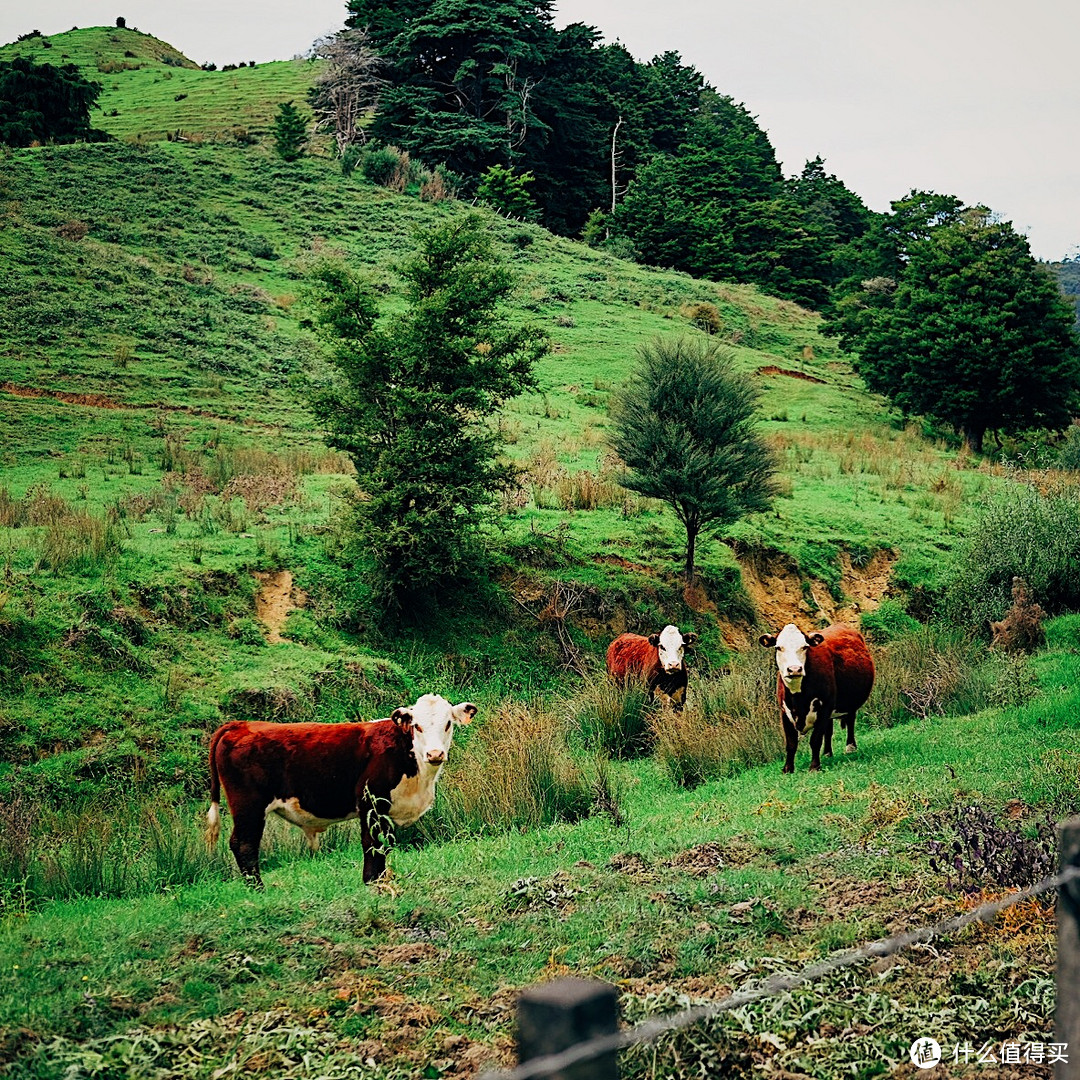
(348, 86)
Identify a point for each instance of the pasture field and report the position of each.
(170, 547)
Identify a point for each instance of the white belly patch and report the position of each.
(413, 796)
(293, 812)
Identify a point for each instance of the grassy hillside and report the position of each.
(151, 91)
(171, 559)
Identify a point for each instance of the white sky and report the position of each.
(974, 98)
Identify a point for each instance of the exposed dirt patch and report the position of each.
(781, 595)
(770, 369)
(624, 564)
(702, 860)
(102, 401)
(866, 586)
(277, 596)
(631, 864)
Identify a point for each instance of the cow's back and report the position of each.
(319, 765)
(629, 655)
(852, 664)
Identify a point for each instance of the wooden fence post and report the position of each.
(1067, 1017)
(557, 1015)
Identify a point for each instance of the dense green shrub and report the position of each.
(1069, 454)
(1026, 531)
(888, 622)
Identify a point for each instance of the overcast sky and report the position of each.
(975, 99)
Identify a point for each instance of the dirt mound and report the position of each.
(771, 369)
(277, 596)
(781, 595)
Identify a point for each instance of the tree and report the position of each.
(290, 132)
(972, 331)
(43, 103)
(347, 86)
(412, 402)
(462, 75)
(505, 191)
(717, 208)
(684, 425)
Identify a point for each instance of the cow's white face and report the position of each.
(431, 721)
(670, 644)
(791, 645)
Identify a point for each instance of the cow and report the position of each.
(314, 775)
(819, 676)
(658, 659)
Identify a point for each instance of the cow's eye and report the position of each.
(420, 729)
(447, 725)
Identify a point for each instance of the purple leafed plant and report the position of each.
(986, 853)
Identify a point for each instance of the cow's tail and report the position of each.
(213, 815)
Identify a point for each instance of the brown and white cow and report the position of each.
(819, 676)
(314, 775)
(659, 659)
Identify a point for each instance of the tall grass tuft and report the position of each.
(515, 771)
(613, 719)
(729, 724)
(935, 671)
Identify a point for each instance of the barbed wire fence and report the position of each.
(568, 1028)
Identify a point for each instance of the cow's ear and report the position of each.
(464, 712)
(768, 640)
(654, 640)
(815, 639)
(689, 639)
(403, 719)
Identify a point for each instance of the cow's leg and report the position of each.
(244, 842)
(827, 724)
(849, 723)
(678, 698)
(373, 835)
(791, 744)
(815, 745)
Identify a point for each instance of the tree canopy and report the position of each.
(960, 323)
(685, 427)
(45, 103)
(411, 403)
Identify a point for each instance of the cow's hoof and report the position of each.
(815, 767)
(850, 748)
(787, 769)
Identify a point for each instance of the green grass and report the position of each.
(157, 450)
(157, 93)
(461, 923)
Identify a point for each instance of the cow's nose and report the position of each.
(436, 757)
(793, 671)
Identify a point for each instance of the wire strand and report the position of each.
(649, 1030)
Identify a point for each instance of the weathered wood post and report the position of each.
(557, 1015)
(1067, 1017)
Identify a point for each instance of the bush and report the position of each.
(386, 166)
(887, 623)
(728, 725)
(613, 719)
(1069, 454)
(982, 853)
(513, 771)
(704, 316)
(1027, 532)
(937, 672)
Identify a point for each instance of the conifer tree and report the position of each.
(685, 427)
(412, 402)
(290, 132)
